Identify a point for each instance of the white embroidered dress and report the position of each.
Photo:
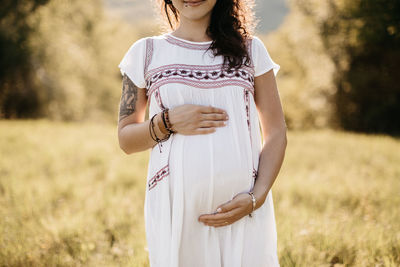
(193, 174)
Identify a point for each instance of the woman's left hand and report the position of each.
(229, 212)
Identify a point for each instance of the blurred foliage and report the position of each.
(68, 67)
(306, 76)
(339, 62)
(366, 34)
(17, 96)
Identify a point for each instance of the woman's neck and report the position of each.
(193, 30)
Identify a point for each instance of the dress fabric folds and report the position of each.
(189, 175)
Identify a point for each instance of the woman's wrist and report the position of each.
(260, 196)
(160, 126)
(167, 122)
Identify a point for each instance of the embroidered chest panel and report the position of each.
(212, 76)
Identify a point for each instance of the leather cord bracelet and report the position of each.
(154, 135)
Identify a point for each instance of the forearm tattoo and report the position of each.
(128, 98)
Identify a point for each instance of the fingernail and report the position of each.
(219, 210)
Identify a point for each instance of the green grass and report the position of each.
(70, 197)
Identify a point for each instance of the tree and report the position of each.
(363, 40)
(18, 98)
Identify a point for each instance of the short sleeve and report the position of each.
(261, 59)
(133, 63)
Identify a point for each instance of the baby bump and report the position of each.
(215, 167)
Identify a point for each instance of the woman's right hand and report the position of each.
(189, 119)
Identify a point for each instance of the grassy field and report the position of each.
(70, 197)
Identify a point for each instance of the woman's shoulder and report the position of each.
(256, 44)
(143, 44)
(254, 40)
(138, 45)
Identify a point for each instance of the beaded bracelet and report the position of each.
(253, 199)
(167, 123)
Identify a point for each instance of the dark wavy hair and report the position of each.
(232, 23)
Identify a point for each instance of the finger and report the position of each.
(229, 219)
(221, 210)
(221, 225)
(218, 216)
(214, 116)
(222, 216)
(227, 206)
(212, 123)
(232, 217)
(211, 109)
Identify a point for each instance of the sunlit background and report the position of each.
(69, 196)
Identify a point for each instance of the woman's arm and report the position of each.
(133, 131)
(274, 134)
(271, 157)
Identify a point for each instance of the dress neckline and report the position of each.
(186, 43)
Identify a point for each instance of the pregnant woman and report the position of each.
(209, 86)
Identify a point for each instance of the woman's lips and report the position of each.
(193, 3)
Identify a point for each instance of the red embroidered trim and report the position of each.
(203, 85)
(194, 68)
(149, 54)
(158, 98)
(255, 173)
(198, 77)
(173, 40)
(247, 102)
(250, 50)
(148, 58)
(247, 105)
(194, 74)
(164, 171)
